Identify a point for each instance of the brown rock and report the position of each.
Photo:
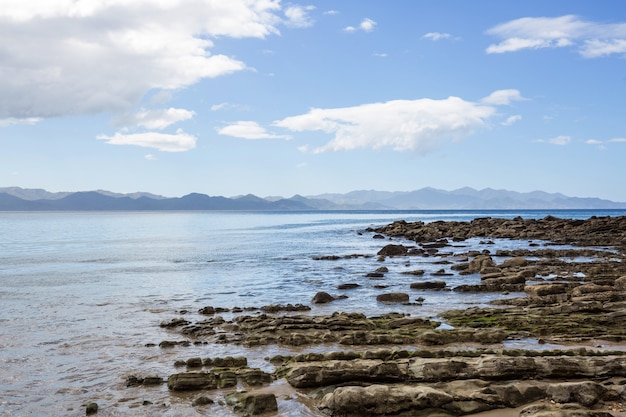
(322, 298)
(393, 297)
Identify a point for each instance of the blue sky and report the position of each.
(278, 98)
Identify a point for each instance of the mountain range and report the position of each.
(20, 199)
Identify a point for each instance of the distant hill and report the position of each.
(20, 199)
(468, 199)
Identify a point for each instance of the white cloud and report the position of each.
(597, 48)
(11, 121)
(436, 36)
(592, 39)
(420, 125)
(559, 140)
(512, 119)
(502, 97)
(178, 142)
(229, 106)
(366, 25)
(73, 57)
(603, 144)
(150, 157)
(249, 130)
(155, 119)
(297, 16)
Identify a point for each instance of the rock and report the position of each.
(255, 377)
(322, 298)
(393, 297)
(428, 285)
(152, 380)
(515, 262)
(620, 283)
(227, 362)
(393, 250)
(194, 363)
(417, 272)
(208, 310)
(249, 404)
(566, 410)
(348, 286)
(543, 290)
(586, 393)
(191, 381)
(382, 400)
(92, 408)
(480, 263)
(200, 401)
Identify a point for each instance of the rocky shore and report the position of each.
(572, 297)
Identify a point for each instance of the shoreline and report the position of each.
(573, 297)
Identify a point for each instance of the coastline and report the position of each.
(574, 297)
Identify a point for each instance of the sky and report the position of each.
(278, 98)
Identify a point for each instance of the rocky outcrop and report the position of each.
(459, 383)
(595, 231)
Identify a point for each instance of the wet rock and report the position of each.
(226, 362)
(417, 272)
(255, 377)
(481, 263)
(174, 322)
(250, 404)
(200, 401)
(194, 363)
(428, 285)
(393, 250)
(348, 286)
(322, 298)
(393, 297)
(275, 308)
(92, 408)
(208, 310)
(152, 380)
(191, 381)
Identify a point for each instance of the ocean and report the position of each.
(82, 293)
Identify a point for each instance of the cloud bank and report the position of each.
(591, 39)
(420, 125)
(64, 57)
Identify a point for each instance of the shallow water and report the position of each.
(83, 293)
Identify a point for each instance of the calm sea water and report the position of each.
(82, 293)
